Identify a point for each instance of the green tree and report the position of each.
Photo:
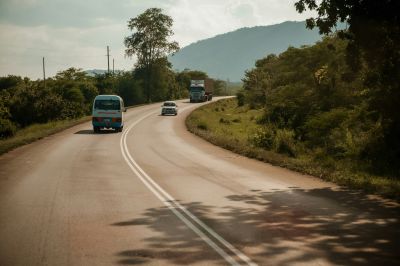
(77, 91)
(129, 89)
(184, 77)
(9, 82)
(219, 87)
(256, 82)
(89, 91)
(374, 40)
(308, 101)
(150, 42)
(7, 127)
(105, 83)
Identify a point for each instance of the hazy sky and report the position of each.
(75, 33)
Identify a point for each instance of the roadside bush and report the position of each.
(326, 163)
(240, 98)
(278, 140)
(202, 125)
(265, 137)
(7, 128)
(340, 143)
(319, 127)
(224, 121)
(284, 142)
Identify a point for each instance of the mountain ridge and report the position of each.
(228, 55)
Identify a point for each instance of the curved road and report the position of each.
(157, 195)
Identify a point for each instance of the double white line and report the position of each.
(220, 245)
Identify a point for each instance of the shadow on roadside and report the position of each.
(91, 132)
(286, 227)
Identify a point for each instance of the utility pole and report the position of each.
(44, 75)
(108, 59)
(113, 66)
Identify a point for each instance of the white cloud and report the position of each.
(76, 33)
(62, 48)
(199, 19)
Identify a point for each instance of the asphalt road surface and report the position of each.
(157, 195)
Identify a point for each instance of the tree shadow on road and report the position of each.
(177, 244)
(281, 227)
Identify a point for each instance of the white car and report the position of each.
(169, 108)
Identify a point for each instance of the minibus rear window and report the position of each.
(107, 105)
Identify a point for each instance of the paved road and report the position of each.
(157, 195)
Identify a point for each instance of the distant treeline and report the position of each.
(317, 104)
(70, 93)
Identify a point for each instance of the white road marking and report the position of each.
(174, 206)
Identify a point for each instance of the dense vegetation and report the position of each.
(315, 103)
(234, 127)
(70, 94)
(329, 110)
(372, 53)
(336, 101)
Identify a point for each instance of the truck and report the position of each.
(201, 90)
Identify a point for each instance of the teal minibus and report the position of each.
(108, 113)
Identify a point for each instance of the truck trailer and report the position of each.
(201, 90)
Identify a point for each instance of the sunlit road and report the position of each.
(157, 195)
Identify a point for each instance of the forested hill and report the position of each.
(228, 55)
